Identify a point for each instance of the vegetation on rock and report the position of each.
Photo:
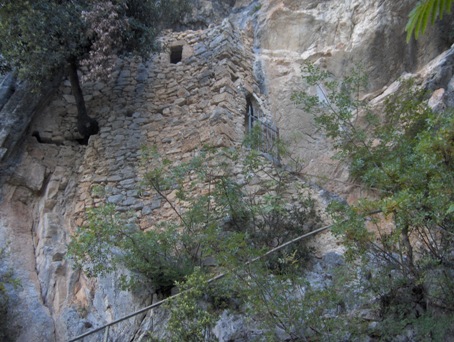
(43, 38)
(400, 258)
(404, 155)
(209, 206)
(229, 206)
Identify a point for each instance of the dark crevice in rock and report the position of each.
(42, 140)
(84, 141)
(7, 88)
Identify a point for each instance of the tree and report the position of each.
(222, 218)
(424, 12)
(42, 38)
(220, 222)
(404, 157)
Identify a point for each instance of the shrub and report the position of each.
(403, 155)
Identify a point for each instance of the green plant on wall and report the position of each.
(404, 155)
(229, 206)
(111, 240)
(189, 321)
(42, 39)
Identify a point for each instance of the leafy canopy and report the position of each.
(403, 153)
(425, 12)
(219, 221)
(40, 37)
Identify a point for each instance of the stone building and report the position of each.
(197, 90)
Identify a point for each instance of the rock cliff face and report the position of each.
(337, 36)
(195, 91)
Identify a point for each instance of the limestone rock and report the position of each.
(29, 173)
(251, 59)
(336, 36)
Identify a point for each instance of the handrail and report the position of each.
(209, 281)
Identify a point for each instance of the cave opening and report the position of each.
(44, 140)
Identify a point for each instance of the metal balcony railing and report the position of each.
(265, 133)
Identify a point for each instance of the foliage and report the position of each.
(43, 39)
(229, 206)
(111, 240)
(405, 157)
(189, 321)
(424, 12)
(233, 224)
(40, 37)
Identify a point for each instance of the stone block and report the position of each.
(199, 48)
(220, 114)
(221, 98)
(69, 99)
(191, 144)
(114, 178)
(182, 92)
(142, 75)
(225, 130)
(221, 83)
(217, 41)
(30, 174)
(115, 199)
(129, 201)
(180, 102)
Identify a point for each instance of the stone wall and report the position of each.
(175, 107)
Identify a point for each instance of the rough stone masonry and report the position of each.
(175, 105)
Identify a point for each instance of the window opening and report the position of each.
(249, 114)
(176, 54)
(267, 134)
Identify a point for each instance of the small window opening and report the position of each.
(265, 133)
(176, 54)
(250, 117)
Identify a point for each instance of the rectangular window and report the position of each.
(176, 54)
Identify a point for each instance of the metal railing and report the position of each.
(106, 327)
(268, 134)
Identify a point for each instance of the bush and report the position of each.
(404, 157)
(229, 207)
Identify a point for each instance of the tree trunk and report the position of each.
(86, 125)
(408, 248)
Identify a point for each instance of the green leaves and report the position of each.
(404, 156)
(229, 206)
(425, 12)
(188, 320)
(111, 241)
(40, 37)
